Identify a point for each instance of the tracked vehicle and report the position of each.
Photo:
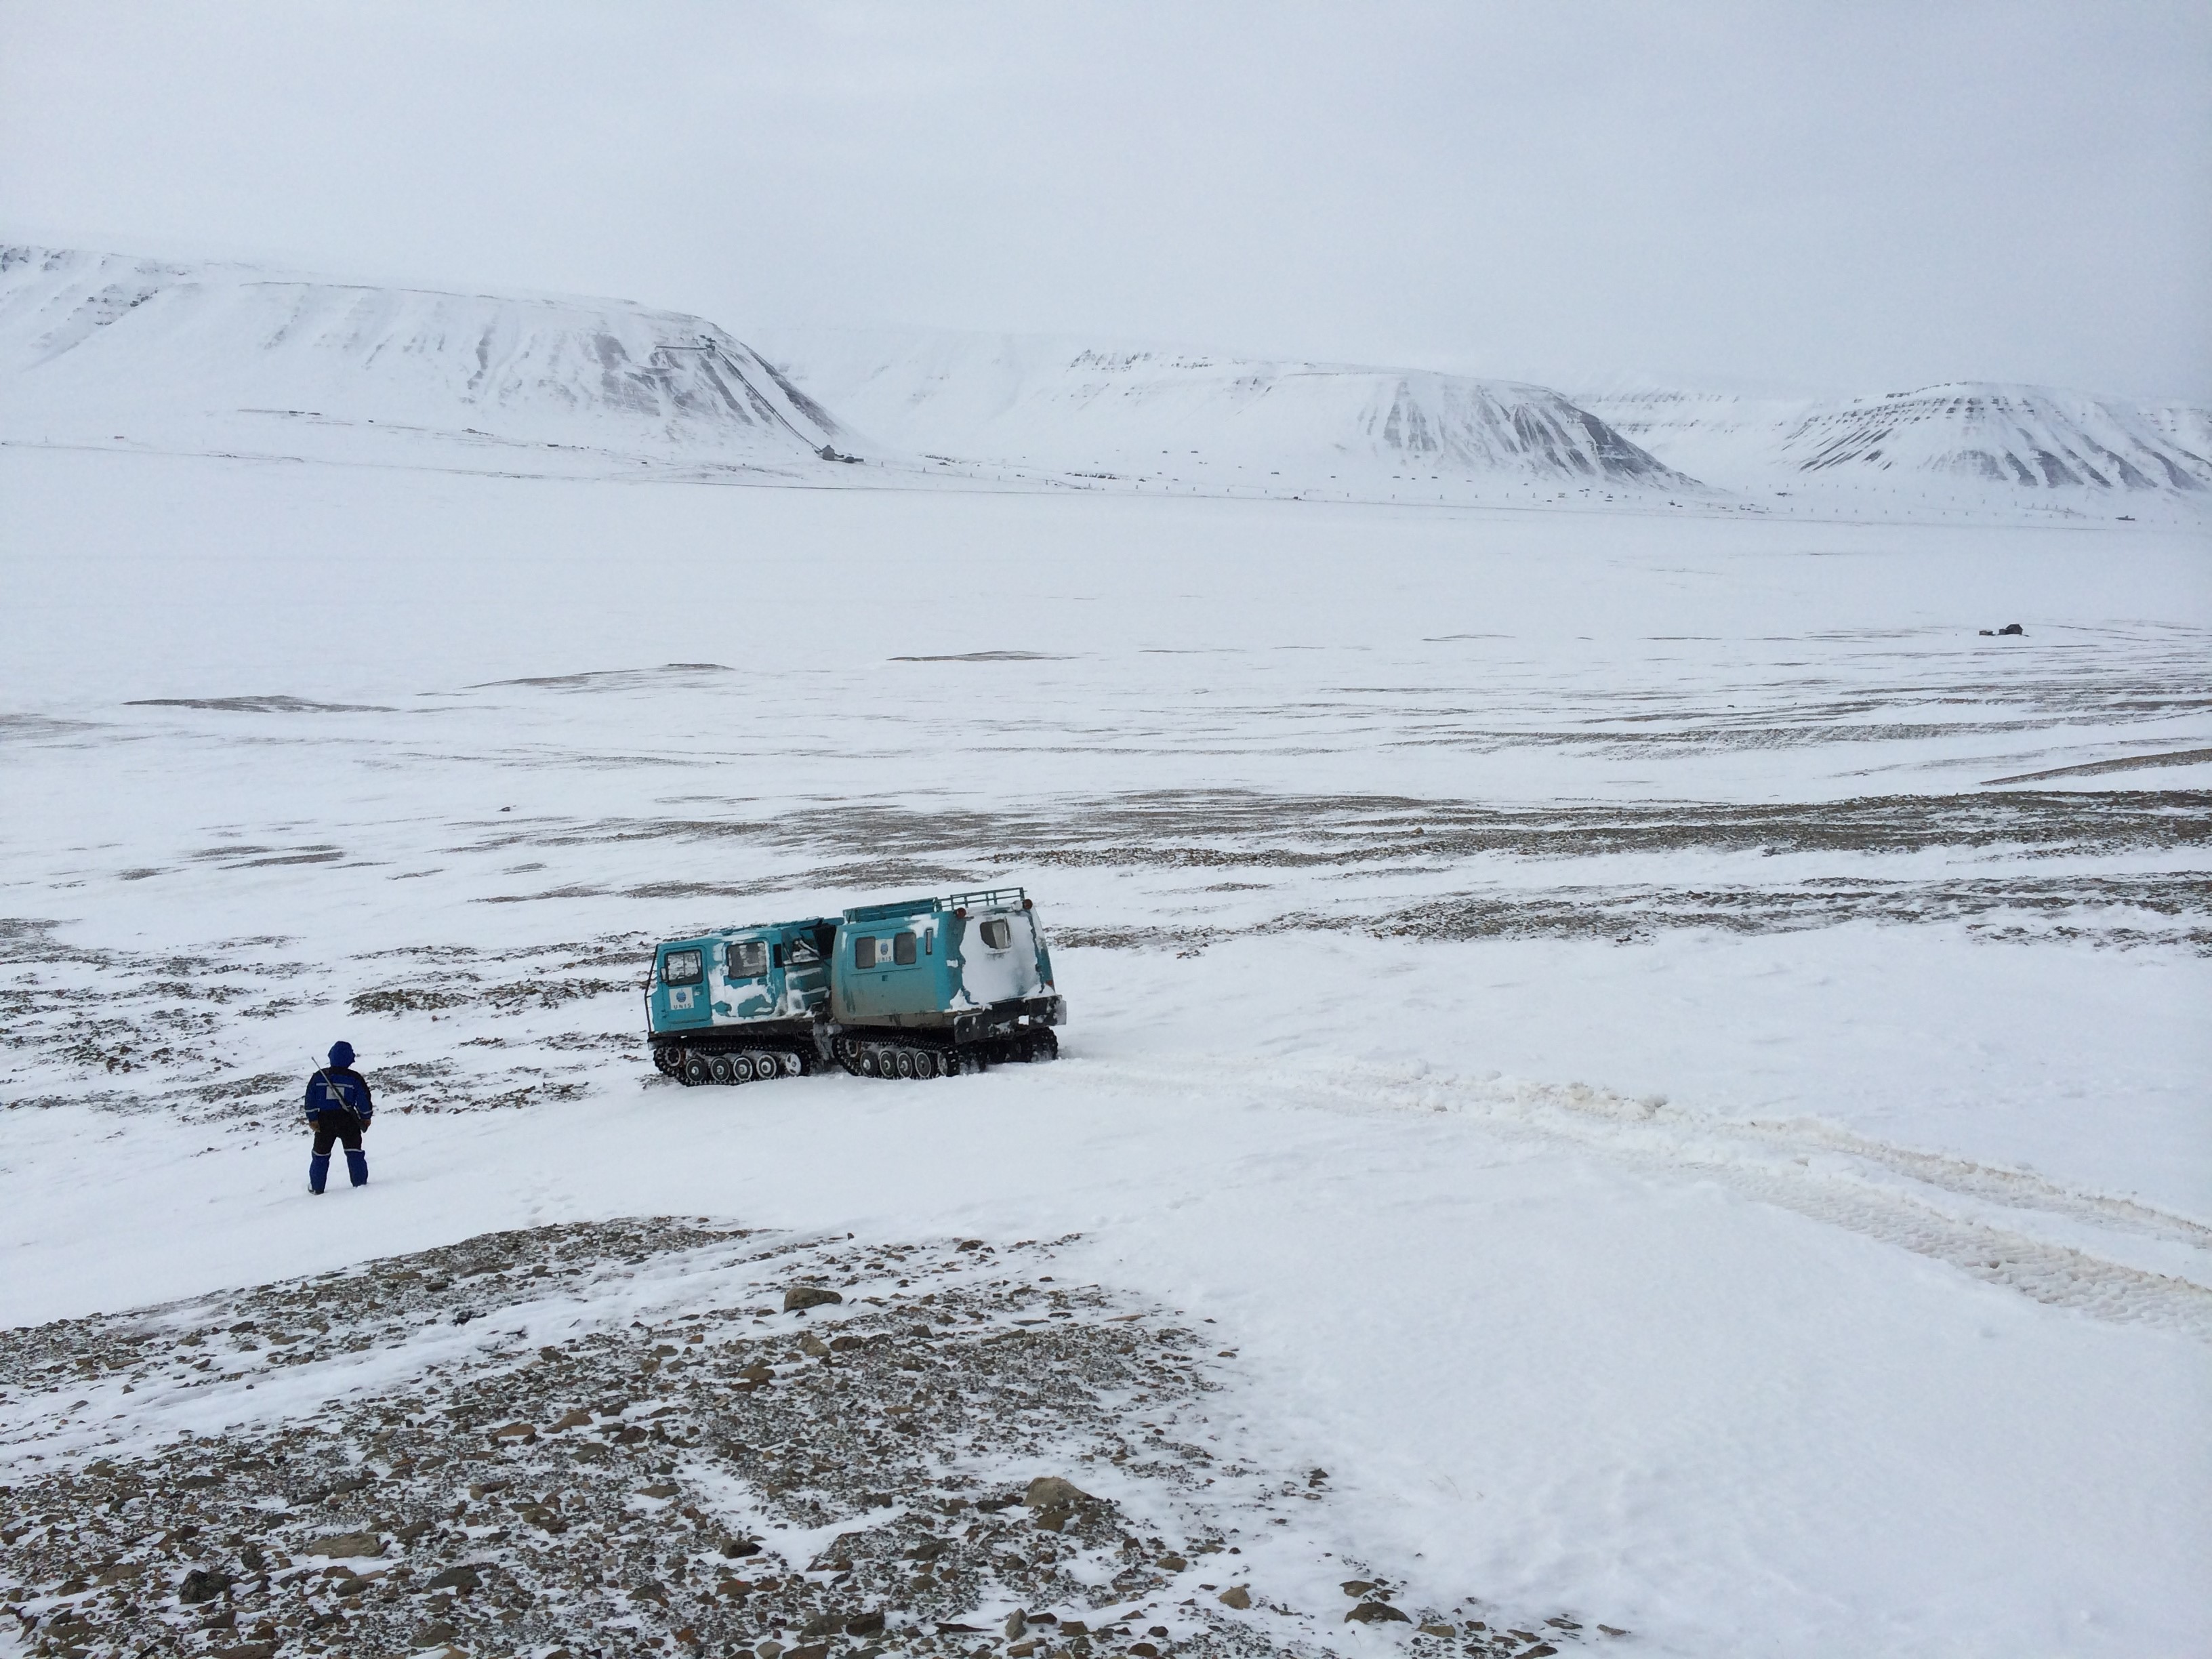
(921, 988)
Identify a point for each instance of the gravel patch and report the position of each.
(612, 1439)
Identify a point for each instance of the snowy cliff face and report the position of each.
(1999, 444)
(97, 346)
(1236, 423)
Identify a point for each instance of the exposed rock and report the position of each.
(800, 1296)
(1375, 1613)
(1050, 1491)
(201, 1585)
(1235, 1596)
(348, 1546)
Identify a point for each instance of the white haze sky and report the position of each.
(1860, 197)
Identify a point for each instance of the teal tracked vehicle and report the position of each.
(925, 988)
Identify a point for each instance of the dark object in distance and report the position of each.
(2009, 627)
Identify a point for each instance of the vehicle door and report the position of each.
(680, 989)
(745, 992)
(998, 958)
(882, 970)
(801, 973)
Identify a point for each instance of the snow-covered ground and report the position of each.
(1555, 987)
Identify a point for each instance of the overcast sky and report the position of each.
(1862, 196)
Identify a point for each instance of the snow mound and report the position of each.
(95, 347)
(1233, 423)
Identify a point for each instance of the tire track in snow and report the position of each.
(1775, 1162)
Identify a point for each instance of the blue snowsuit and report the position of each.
(338, 1109)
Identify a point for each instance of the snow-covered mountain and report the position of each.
(109, 349)
(1964, 441)
(95, 347)
(1206, 421)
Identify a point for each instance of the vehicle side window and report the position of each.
(748, 959)
(684, 967)
(864, 953)
(902, 951)
(996, 933)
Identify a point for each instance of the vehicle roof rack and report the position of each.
(921, 907)
(1011, 896)
(986, 898)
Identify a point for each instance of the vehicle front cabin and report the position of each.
(743, 980)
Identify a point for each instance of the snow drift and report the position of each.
(98, 346)
(1236, 424)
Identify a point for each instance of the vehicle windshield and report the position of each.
(684, 967)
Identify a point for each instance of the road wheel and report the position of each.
(905, 1062)
(867, 1062)
(696, 1069)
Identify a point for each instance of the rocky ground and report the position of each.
(667, 1437)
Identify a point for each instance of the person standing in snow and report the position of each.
(338, 1109)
